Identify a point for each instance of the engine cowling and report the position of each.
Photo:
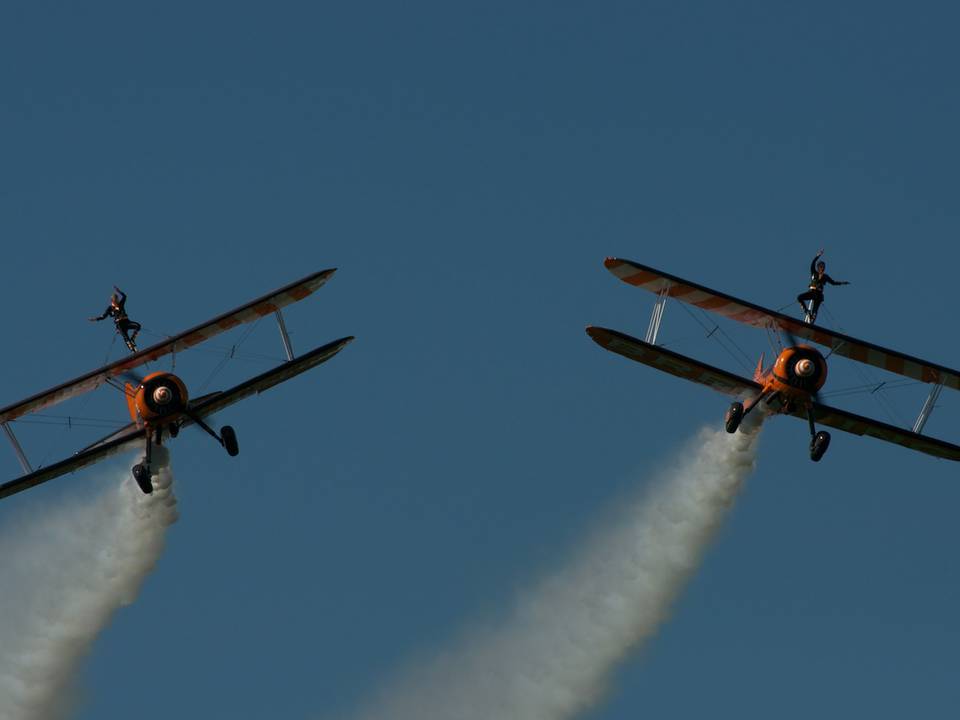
(160, 395)
(801, 367)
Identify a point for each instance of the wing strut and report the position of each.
(927, 408)
(657, 316)
(288, 348)
(21, 456)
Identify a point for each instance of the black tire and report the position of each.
(819, 445)
(229, 440)
(141, 473)
(733, 417)
(173, 429)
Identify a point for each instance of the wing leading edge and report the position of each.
(742, 311)
(248, 312)
(673, 363)
(730, 384)
(218, 401)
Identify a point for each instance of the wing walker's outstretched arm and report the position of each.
(813, 263)
(831, 281)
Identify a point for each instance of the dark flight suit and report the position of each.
(815, 293)
(119, 314)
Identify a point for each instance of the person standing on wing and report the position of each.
(116, 310)
(818, 278)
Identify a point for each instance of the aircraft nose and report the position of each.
(805, 367)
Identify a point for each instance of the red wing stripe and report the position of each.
(712, 303)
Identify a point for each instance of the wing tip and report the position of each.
(599, 335)
(338, 345)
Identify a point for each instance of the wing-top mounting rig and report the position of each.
(791, 384)
(159, 402)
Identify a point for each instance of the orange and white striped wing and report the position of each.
(248, 312)
(691, 293)
(743, 311)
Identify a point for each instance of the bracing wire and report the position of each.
(70, 421)
(219, 350)
(228, 356)
(870, 380)
(68, 424)
(718, 334)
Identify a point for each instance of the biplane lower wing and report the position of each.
(218, 401)
(125, 438)
(657, 281)
(253, 310)
(859, 425)
(731, 384)
(673, 363)
(82, 459)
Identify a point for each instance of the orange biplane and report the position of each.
(159, 403)
(791, 384)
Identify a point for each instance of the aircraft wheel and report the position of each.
(733, 417)
(141, 473)
(819, 445)
(174, 429)
(229, 440)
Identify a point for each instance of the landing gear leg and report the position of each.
(819, 441)
(738, 411)
(141, 471)
(228, 437)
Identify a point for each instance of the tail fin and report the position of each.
(758, 373)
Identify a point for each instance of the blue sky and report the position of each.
(467, 167)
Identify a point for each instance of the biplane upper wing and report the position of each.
(75, 462)
(252, 310)
(725, 382)
(728, 306)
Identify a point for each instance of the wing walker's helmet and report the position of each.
(821, 266)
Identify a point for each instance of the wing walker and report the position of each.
(789, 386)
(159, 403)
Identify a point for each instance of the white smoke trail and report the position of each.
(552, 657)
(63, 573)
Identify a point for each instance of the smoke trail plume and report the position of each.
(551, 658)
(63, 573)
